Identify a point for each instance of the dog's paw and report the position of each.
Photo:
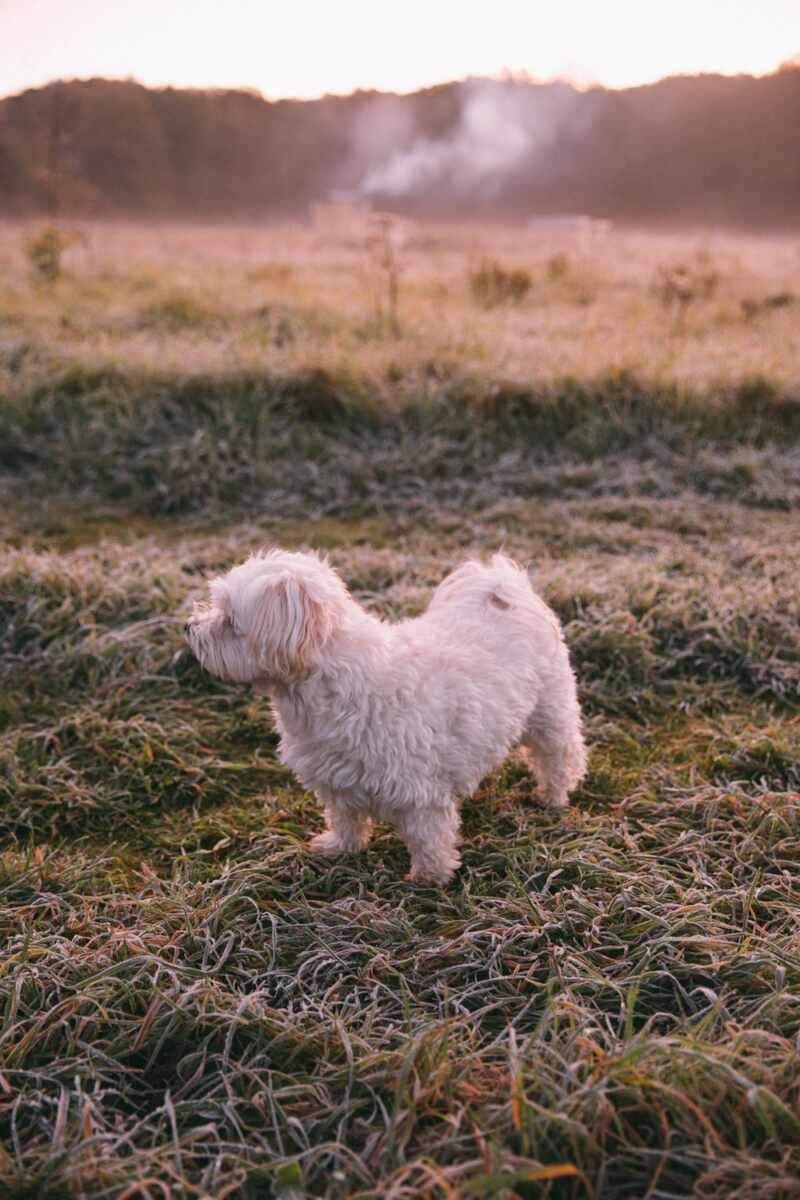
(328, 842)
(554, 798)
(333, 841)
(430, 873)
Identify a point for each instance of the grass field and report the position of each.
(604, 1004)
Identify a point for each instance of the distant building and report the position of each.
(572, 223)
(343, 214)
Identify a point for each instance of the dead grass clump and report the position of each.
(384, 263)
(752, 306)
(558, 267)
(682, 285)
(570, 282)
(492, 284)
(179, 312)
(45, 249)
(277, 323)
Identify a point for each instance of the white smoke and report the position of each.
(502, 125)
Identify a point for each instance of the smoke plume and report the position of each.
(502, 126)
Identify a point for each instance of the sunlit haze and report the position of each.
(310, 47)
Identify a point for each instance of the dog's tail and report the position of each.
(500, 586)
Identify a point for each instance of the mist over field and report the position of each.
(336, 325)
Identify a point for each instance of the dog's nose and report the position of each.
(186, 628)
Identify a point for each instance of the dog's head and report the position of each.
(269, 619)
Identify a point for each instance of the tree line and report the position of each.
(698, 149)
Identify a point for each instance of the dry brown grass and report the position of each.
(288, 298)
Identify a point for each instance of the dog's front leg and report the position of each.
(431, 835)
(347, 828)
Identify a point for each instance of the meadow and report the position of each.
(604, 1003)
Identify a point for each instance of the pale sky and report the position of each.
(308, 47)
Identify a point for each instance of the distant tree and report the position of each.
(17, 187)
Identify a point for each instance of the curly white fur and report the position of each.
(398, 721)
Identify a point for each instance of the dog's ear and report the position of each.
(290, 627)
(221, 600)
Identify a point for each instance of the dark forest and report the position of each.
(687, 150)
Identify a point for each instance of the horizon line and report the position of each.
(505, 75)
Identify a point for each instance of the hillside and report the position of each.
(693, 150)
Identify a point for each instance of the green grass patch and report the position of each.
(603, 1002)
(165, 444)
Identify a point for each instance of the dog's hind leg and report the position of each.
(347, 828)
(554, 745)
(431, 835)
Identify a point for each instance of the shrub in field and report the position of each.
(753, 306)
(383, 248)
(491, 284)
(683, 284)
(44, 250)
(569, 281)
(558, 267)
(277, 324)
(177, 313)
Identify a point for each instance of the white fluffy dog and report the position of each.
(398, 721)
